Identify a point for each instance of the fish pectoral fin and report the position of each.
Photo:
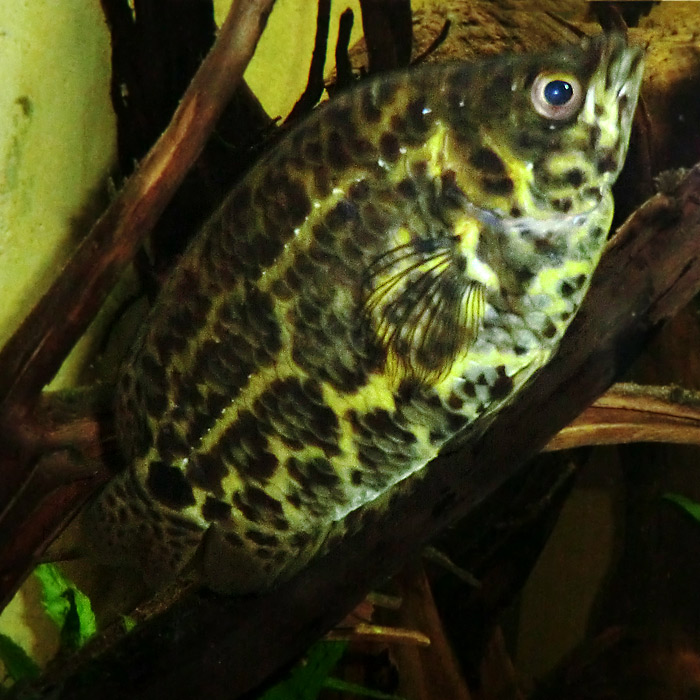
(425, 337)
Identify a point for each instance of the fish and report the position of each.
(383, 280)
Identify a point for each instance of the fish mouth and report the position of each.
(547, 229)
(554, 225)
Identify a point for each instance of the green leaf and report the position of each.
(345, 687)
(308, 677)
(128, 622)
(67, 606)
(692, 508)
(18, 664)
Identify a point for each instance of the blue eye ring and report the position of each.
(556, 96)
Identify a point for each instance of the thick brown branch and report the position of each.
(211, 647)
(633, 413)
(388, 33)
(36, 351)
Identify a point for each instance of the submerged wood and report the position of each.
(219, 648)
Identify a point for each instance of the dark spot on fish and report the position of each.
(527, 140)
(456, 422)
(207, 471)
(501, 387)
(312, 151)
(338, 114)
(300, 539)
(502, 186)
(233, 538)
(344, 212)
(361, 147)
(566, 289)
(249, 512)
(214, 509)
(156, 402)
(370, 111)
(337, 153)
(397, 124)
(359, 190)
(416, 116)
(488, 161)
(294, 500)
(516, 212)
(262, 466)
(545, 246)
(280, 290)
(563, 204)
(280, 523)
(262, 500)
(523, 275)
(322, 180)
(419, 168)
(200, 423)
(549, 330)
(170, 444)
(169, 486)
(262, 539)
(295, 201)
(593, 193)
(386, 90)
(407, 188)
(389, 147)
(455, 402)
(607, 163)
(574, 177)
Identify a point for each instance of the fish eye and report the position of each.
(556, 96)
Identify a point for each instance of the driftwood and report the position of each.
(30, 359)
(650, 270)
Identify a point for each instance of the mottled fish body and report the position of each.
(391, 273)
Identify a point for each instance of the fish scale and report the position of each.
(389, 275)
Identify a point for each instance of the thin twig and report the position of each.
(314, 85)
(434, 44)
(343, 66)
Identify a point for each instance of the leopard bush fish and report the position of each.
(393, 271)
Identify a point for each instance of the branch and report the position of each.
(206, 646)
(38, 348)
(633, 413)
(388, 30)
(315, 84)
(35, 352)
